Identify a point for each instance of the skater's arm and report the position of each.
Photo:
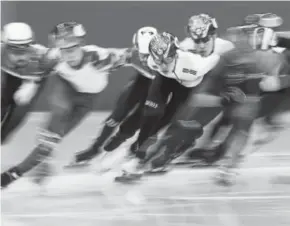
(25, 92)
(49, 61)
(109, 58)
(29, 87)
(120, 57)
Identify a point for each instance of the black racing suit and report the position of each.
(12, 79)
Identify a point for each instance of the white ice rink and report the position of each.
(181, 197)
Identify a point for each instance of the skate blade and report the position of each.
(128, 178)
(103, 171)
(224, 182)
(79, 165)
(192, 164)
(158, 170)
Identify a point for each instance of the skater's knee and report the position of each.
(60, 106)
(152, 108)
(111, 122)
(48, 139)
(118, 115)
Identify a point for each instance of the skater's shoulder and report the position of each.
(191, 56)
(195, 61)
(103, 51)
(187, 44)
(222, 46)
(186, 57)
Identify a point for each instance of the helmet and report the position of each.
(18, 35)
(252, 19)
(142, 38)
(269, 20)
(258, 37)
(201, 26)
(163, 46)
(66, 35)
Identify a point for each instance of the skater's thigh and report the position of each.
(133, 122)
(60, 106)
(83, 103)
(177, 101)
(158, 95)
(124, 105)
(61, 97)
(243, 115)
(138, 90)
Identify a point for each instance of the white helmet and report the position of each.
(142, 38)
(17, 34)
(258, 37)
(270, 20)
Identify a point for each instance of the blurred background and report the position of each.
(112, 24)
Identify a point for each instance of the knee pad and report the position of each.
(110, 122)
(118, 115)
(48, 139)
(152, 108)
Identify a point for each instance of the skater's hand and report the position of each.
(270, 84)
(25, 93)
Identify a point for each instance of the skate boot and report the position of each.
(132, 171)
(226, 176)
(82, 158)
(9, 177)
(115, 142)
